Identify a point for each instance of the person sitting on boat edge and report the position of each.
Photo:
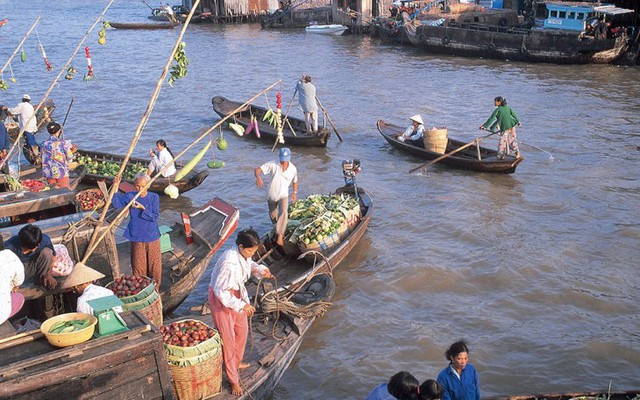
(81, 281)
(163, 157)
(401, 386)
(505, 120)
(142, 230)
(36, 252)
(307, 98)
(11, 276)
(57, 153)
(229, 301)
(459, 380)
(414, 134)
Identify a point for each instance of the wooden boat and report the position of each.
(474, 158)
(126, 365)
(182, 267)
(193, 179)
(303, 280)
(331, 29)
(294, 131)
(42, 116)
(19, 207)
(587, 395)
(134, 25)
(529, 45)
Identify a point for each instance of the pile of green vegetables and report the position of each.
(70, 326)
(318, 216)
(110, 168)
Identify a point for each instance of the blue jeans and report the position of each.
(31, 138)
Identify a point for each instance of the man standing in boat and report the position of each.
(27, 120)
(307, 96)
(284, 174)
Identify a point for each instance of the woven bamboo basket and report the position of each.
(150, 307)
(153, 312)
(196, 371)
(436, 139)
(100, 203)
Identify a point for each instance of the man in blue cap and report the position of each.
(284, 174)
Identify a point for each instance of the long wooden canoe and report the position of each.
(273, 351)
(42, 116)
(126, 365)
(182, 267)
(586, 395)
(193, 179)
(294, 134)
(474, 158)
(142, 25)
(23, 206)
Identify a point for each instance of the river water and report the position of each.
(536, 270)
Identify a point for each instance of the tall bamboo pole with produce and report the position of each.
(122, 213)
(24, 39)
(55, 81)
(179, 71)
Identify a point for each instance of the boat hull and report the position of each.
(223, 107)
(150, 26)
(192, 180)
(542, 46)
(331, 30)
(465, 159)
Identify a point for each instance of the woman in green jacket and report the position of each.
(505, 120)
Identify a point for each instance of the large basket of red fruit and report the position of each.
(194, 353)
(90, 199)
(138, 294)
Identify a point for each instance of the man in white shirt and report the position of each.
(28, 122)
(11, 276)
(284, 174)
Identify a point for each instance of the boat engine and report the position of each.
(350, 168)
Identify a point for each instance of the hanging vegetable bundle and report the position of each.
(179, 69)
(102, 34)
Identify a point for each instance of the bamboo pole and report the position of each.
(55, 81)
(24, 39)
(141, 125)
(329, 119)
(121, 214)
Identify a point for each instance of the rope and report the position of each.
(72, 230)
(273, 302)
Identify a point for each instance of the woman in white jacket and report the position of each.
(161, 157)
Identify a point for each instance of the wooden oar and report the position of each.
(442, 157)
(329, 118)
(73, 99)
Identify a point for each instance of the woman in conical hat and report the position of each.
(414, 133)
(80, 280)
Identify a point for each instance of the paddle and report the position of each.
(73, 99)
(451, 152)
(329, 118)
(147, 5)
(551, 158)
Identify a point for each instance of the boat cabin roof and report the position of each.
(603, 8)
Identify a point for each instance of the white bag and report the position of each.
(63, 264)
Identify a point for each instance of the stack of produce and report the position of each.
(90, 199)
(33, 185)
(70, 326)
(193, 351)
(320, 221)
(138, 293)
(110, 168)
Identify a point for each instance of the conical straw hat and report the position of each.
(417, 118)
(81, 274)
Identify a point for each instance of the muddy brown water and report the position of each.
(537, 270)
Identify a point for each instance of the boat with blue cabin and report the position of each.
(563, 38)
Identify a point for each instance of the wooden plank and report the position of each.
(109, 375)
(6, 330)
